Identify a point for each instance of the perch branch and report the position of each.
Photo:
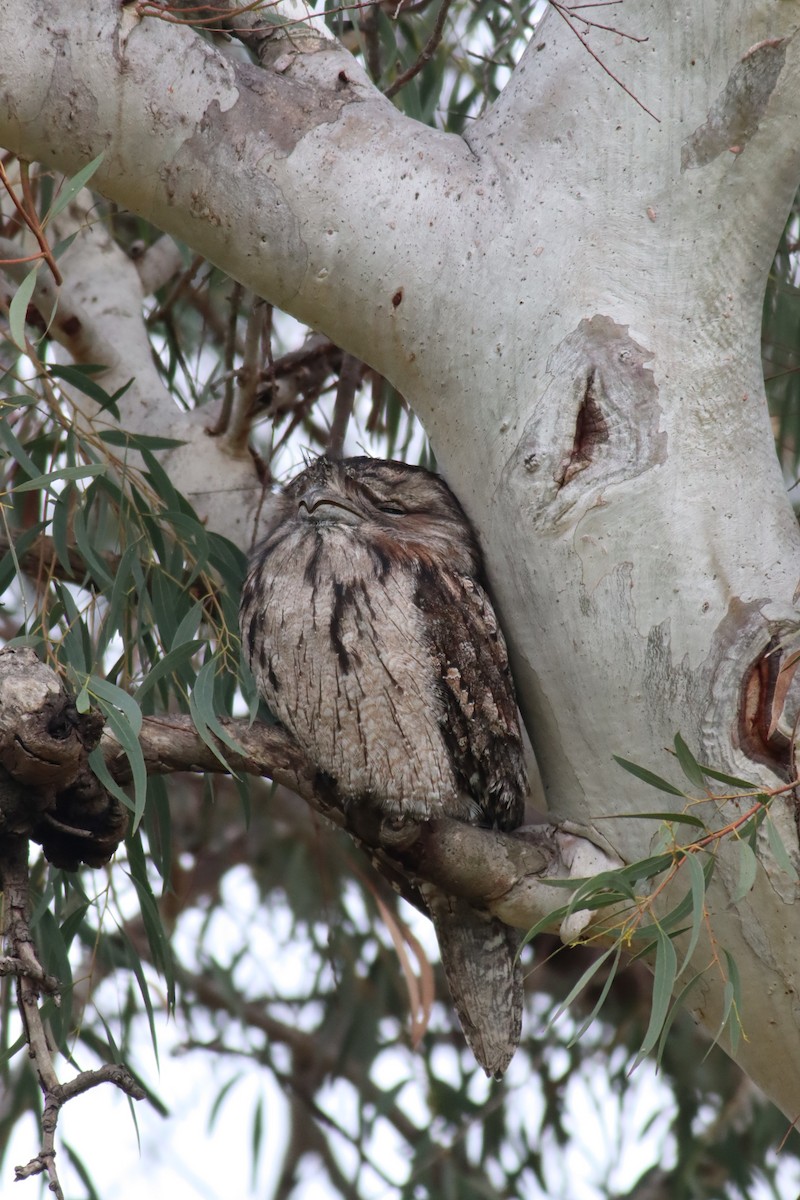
(508, 872)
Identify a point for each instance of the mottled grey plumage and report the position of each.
(371, 637)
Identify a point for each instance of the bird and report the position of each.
(368, 627)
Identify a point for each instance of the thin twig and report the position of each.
(241, 415)
(229, 353)
(426, 55)
(562, 12)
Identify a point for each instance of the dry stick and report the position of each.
(560, 9)
(31, 983)
(426, 55)
(349, 375)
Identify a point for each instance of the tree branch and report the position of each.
(303, 219)
(44, 746)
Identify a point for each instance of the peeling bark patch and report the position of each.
(591, 431)
(285, 108)
(735, 115)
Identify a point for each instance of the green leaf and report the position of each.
(601, 998)
(728, 780)
(697, 877)
(678, 818)
(9, 564)
(123, 585)
(158, 827)
(138, 441)
(201, 706)
(256, 1139)
(219, 1100)
(678, 1006)
(166, 666)
(72, 473)
(748, 867)
(98, 570)
(72, 186)
(80, 378)
(735, 1007)
(586, 978)
(18, 309)
(666, 968)
(648, 777)
(689, 765)
(18, 453)
(188, 626)
(50, 941)
(779, 850)
(62, 513)
(113, 695)
(124, 718)
(151, 917)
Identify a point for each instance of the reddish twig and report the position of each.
(29, 216)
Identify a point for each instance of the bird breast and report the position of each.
(341, 656)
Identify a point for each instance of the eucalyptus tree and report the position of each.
(544, 237)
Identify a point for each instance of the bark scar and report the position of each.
(591, 431)
(764, 692)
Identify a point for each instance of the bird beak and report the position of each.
(320, 505)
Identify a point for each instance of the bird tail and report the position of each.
(483, 974)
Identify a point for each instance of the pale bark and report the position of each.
(571, 299)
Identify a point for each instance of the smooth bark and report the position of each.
(570, 297)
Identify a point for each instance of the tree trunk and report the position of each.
(570, 297)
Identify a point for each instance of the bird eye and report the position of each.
(394, 510)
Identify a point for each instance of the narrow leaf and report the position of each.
(111, 694)
(679, 818)
(648, 777)
(18, 453)
(779, 850)
(735, 1029)
(201, 707)
(601, 999)
(586, 978)
(44, 481)
(728, 780)
(80, 378)
(689, 764)
(166, 666)
(663, 982)
(72, 186)
(18, 309)
(698, 899)
(139, 441)
(677, 1007)
(748, 866)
